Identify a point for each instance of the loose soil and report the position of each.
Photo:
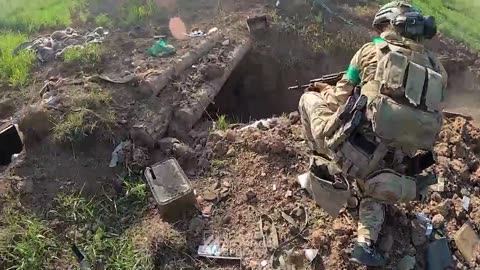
(244, 175)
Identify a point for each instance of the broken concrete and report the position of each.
(190, 112)
(157, 81)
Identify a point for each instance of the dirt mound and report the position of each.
(253, 179)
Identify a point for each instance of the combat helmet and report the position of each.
(406, 19)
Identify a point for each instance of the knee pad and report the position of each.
(390, 187)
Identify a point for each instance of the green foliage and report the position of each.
(26, 243)
(91, 53)
(104, 20)
(222, 123)
(30, 16)
(14, 69)
(456, 18)
(138, 12)
(100, 226)
(89, 111)
(103, 223)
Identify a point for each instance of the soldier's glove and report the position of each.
(317, 87)
(423, 182)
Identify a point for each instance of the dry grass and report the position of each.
(90, 110)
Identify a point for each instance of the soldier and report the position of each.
(385, 144)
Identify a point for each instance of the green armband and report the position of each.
(353, 74)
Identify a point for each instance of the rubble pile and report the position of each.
(253, 176)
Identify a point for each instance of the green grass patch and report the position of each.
(104, 20)
(14, 69)
(30, 16)
(89, 110)
(222, 123)
(103, 227)
(91, 53)
(456, 18)
(26, 242)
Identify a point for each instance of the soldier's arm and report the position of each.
(338, 95)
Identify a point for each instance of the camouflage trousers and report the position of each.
(385, 188)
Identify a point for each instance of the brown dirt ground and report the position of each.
(245, 162)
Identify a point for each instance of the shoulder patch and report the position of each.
(377, 40)
(353, 74)
(380, 43)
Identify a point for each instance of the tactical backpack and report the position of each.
(404, 110)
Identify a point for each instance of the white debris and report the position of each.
(274, 187)
(117, 154)
(303, 180)
(226, 42)
(466, 203)
(311, 254)
(422, 218)
(213, 30)
(429, 229)
(264, 263)
(262, 124)
(440, 186)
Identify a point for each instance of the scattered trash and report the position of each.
(288, 194)
(207, 211)
(465, 203)
(47, 48)
(264, 263)
(126, 77)
(266, 223)
(171, 188)
(303, 180)
(81, 258)
(422, 218)
(216, 245)
(212, 30)
(296, 259)
(118, 155)
(311, 254)
(406, 263)
(226, 42)
(289, 219)
(257, 23)
(429, 229)
(210, 196)
(161, 49)
(425, 222)
(196, 33)
(467, 242)
(274, 188)
(262, 124)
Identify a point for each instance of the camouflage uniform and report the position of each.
(318, 108)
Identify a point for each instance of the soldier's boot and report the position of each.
(365, 253)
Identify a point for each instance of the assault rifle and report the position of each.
(330, 79)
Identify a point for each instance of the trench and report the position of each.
(258, 86)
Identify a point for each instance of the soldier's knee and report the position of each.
(390, 187)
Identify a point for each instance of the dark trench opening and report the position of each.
(258, 87)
